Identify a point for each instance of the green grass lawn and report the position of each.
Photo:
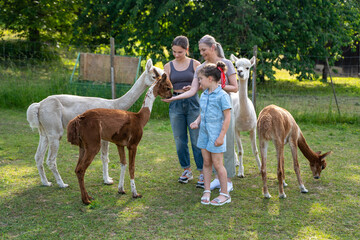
(169, 210)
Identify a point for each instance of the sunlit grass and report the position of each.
(310, 232)
(169, 210)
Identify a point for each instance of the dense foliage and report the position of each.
(290, 35)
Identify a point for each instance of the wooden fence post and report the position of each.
(112, 77)
(254, 78)
(332, 84)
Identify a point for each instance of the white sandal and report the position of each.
(217, 201)
(205, 200)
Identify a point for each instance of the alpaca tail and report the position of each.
(73, 131)
(32, 115)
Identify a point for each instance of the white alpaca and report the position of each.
(245, 115)
(52, 115)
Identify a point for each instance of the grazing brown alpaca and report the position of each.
(277, 124)
(117, 126)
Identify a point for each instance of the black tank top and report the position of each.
(180, 79)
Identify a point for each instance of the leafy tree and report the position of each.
(40, 20)
(290, 35)
(303, 32)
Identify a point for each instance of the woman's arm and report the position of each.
(193, 90)
(232, 86)
(220, 140)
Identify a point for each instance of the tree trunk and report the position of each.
(34, 35)
(325, 73)
(34, 38)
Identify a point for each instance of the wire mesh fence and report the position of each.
(29, 72)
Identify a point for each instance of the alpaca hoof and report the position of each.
(63, 185)
(86, 201)
(137, 196)
(282, 195)
(304, 190)
(109, 181)
(121, 192)
(267, 195)
(47, 184)
(241, 175)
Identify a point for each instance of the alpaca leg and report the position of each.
(237, 163)
(105, 160)
(263, 150)
(280, 171)
(293, 147)
(254, 147)
(132, 154)
(39, 158)
(51, 160)
(123, 168)
(241, 151)
(85, 159)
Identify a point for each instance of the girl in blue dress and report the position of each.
(213, 121)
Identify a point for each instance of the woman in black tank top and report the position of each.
(183, 112)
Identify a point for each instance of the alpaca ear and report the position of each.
(164, 76)
(233, 58)
(325, 154)
(253, 61)
(157, 74)
(149, 65)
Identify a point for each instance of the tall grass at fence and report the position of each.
(27, 76)
(25, 79)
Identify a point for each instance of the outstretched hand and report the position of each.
(167, 100)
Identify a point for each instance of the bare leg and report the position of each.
(207, 169)
(217, 159)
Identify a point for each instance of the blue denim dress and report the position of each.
(212, 106)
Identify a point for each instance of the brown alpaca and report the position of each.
(277, 124)
(117, 126)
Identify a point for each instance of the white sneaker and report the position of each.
(215, 184)
(229, 187)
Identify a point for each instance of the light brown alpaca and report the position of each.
(117, 126)
(277, 124)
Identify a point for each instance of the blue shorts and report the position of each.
(207, 138)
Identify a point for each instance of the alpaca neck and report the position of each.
(243, 93)
(305, 149)
(149, 98)
(127, 100)
(147, 105)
